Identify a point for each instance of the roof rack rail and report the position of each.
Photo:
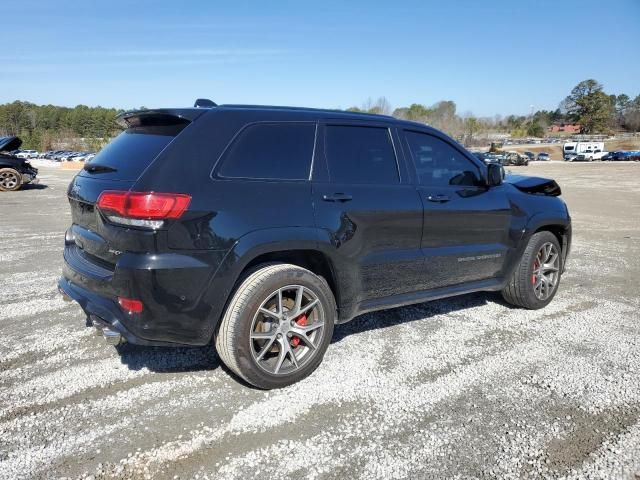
(204, 103)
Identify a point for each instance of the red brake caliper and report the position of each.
(302, 321)
(534, 277)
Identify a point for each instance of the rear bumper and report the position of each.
(179, 305)
(102, 311)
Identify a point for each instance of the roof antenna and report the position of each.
(204, 103)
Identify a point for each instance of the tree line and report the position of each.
(587, 105)
(45, 127)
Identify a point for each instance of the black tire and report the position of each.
(233, 341)
(10, 180)
(520, 289)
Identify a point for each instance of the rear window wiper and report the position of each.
(98, 168)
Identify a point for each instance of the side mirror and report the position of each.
(495, 174)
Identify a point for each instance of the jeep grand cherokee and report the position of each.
(257, 229)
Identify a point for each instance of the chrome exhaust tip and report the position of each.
(111, 336)
(65, 297)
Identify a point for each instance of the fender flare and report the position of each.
(249, 247)
(267, 240)
(546, 219)
(551, 219)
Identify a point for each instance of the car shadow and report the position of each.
(401, 315)
(33, 186)
(190, 359)
(168, 359)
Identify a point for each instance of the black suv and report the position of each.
(258, 228)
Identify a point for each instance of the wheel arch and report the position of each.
(298, 246)
(561, 229)
(312, 259)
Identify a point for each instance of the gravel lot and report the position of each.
(458, 388)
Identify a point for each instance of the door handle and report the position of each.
(337, 197)
(438, 198)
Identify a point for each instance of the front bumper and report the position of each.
(30, 176)
(566, 246)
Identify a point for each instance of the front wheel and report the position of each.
(535, 280)
(277, 326)
(10, 180)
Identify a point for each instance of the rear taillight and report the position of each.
(142, 209)
(130, 305)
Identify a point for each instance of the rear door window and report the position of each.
(360, 155)
(131, 152)
(277, 151)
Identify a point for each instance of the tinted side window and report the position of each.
(360, 155)
(439, 163)
(271, 151)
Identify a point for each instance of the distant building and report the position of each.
(565, 128)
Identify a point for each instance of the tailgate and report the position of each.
(118, 167)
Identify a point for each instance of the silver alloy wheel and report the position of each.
(546, 271)
(286, 329)
(8, 180)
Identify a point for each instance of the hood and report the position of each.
(8, 144)
(534, 185)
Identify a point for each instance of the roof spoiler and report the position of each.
(158, 117)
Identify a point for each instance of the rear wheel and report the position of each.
(535, 281)
(277, 326)
(10, 179)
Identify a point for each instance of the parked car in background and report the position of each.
(530, 155)
(234, 237)
(81, 157)
(14, 171)
(543, 157)
(27, 154)
(515, 158)
(590, 156)
(66, 156)
(58, 155)
(633, 155)
(52, 153)
(487, 157)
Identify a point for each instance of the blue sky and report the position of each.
(490, 57)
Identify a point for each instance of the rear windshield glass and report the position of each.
(131, 152)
